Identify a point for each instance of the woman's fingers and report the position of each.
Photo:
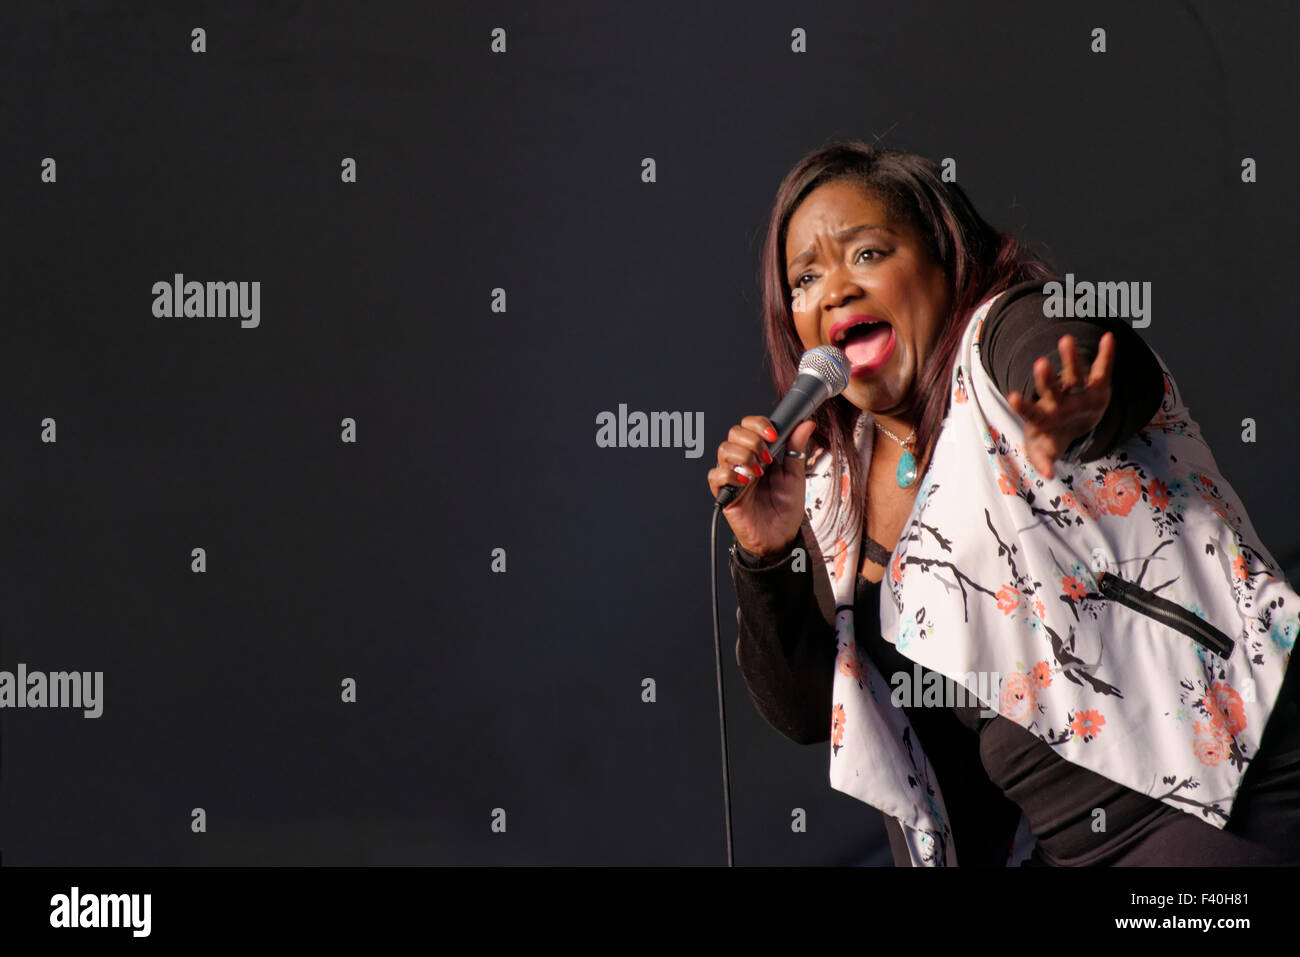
(746, 435)
(1042, 462)
(742, 459)
(1054, 390)
(1070, 374)
(1105, 361)
(1068, 405)
(1047, 390)
(1029, 411)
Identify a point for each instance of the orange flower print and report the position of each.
(1018, 696)
(848, 663)
(994, 432)
(1225, 707)
(841, 556)
(846, 485)
(1210, 743)
(1073, 588)
(1239, 567)
(1087, 724)
(959, 394)
(1068, 501)
(1038, 607)
(1121, 491)
(1104, 501)
(1041, 675)
(1009, 479)
(837, 725)
(1090, 500)
(896, 568)
(1008, 599)
(1158, 494)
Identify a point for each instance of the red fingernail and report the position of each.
(744, 479)
(767, 457)
(770, 434)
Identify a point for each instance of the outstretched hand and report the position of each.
(1067, 409)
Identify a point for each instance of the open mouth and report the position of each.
(867, 343)
(856, 326)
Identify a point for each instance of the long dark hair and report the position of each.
(977, 259)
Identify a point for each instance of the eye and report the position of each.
(798, 283)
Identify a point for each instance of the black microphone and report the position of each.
(823, 373)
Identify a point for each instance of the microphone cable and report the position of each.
(717, 648)
(823, 373)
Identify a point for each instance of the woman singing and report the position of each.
(1000, 572)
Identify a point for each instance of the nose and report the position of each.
(840, 287)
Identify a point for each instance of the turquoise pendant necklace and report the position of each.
(906, 474)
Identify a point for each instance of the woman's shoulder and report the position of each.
(1015, 310)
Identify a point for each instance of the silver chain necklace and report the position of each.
(902, 442)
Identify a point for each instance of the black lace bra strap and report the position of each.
(874, 550)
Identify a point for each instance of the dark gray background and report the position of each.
(477, 430)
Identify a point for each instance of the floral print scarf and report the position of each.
(1124, 610)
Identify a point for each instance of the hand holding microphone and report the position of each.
(767, 518)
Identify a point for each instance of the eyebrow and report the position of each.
(841, 236)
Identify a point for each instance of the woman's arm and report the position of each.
(1016, 334)
(785, 648)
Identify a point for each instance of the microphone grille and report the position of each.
(829, 364)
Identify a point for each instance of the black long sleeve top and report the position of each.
(989, 769)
